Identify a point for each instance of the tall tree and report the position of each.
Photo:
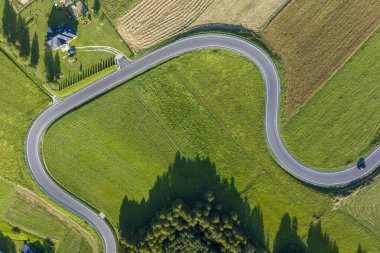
(35, 51)
(96, 6)
(361, 250)
(23, 37)
(57, 65)
(9, 22)
(49, 64)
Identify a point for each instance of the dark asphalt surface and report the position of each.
(252, 52)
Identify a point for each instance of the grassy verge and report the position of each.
(208, 103)
(341, 123)
(21, 101)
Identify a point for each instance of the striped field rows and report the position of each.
(151, 22)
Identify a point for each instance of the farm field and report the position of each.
(117, 8)
(253, 15)
(191, 104)
(341, 123)
(21, 101)
(151, 22)
(314, 39)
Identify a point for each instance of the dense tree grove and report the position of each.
(206, 227)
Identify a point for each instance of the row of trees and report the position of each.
(206, 227)
(103, 64)
(16, 32)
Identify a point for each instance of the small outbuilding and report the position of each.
(67, 2)
(78, 9)
(28, 248)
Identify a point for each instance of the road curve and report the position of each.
(272, 83)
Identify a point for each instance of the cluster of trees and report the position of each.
(103, 64)
(16, 32)
(206, 227)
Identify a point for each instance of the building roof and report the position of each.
(67, 2)
(58, 36)
(28, 249)
(78, 9)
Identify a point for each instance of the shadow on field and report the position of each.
(319, 241)
(58, 16)
(188, 180)
(287, 239)
(46, 247)
(6, 244)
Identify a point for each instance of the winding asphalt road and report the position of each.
(252, 52)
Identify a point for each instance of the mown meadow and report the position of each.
(209, 104)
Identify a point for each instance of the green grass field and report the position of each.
(20, 102)
(208, 103)
(341, 123)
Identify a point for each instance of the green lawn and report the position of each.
(20, 102)
(341, 123)
(208, 103)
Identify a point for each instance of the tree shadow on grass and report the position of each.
(188, 180)
(47, 246)
(58, 16)
(287, 239)
(319, 241)
(6, 244)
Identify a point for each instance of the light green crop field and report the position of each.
(20, 103)
(208, 103)
(341, 123)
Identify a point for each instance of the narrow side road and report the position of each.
(272, 83)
